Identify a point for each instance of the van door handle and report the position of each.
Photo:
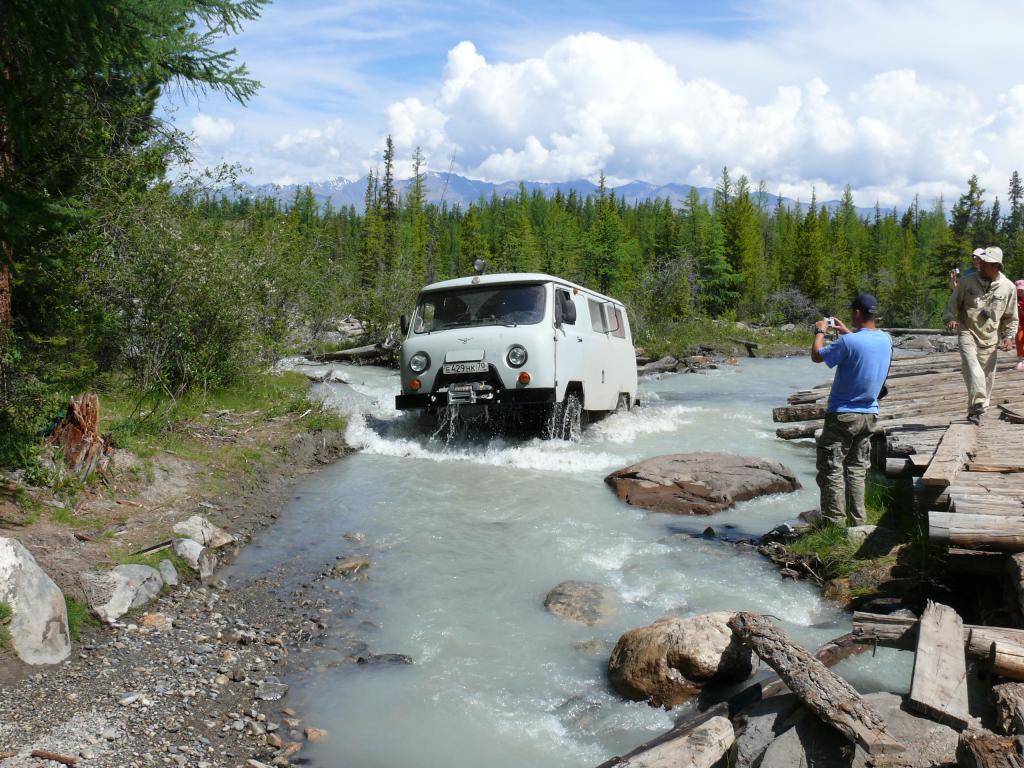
(579, 339)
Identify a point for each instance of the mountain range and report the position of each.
(461, 191)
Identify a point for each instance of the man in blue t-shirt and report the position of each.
(861, 358)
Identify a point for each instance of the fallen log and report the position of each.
(1002, 648)
(354, 353)
(826, 694)
(998, 533)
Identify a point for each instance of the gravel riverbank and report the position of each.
(194, 678)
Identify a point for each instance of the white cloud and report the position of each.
(212, 131)
(592, 103)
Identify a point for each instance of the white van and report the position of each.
(525, 343)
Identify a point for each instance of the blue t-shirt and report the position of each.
(863, 358)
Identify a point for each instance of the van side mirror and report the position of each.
(403, 323)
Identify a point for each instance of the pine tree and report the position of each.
(1013, 228)
(80, 83)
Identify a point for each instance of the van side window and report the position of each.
(597, 319)
(565, 312)
(619, 331)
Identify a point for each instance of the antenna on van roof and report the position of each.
(480, 266)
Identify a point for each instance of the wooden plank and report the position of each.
(825, 693)
(939, 683)
(951, 454)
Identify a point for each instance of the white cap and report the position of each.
(993, 254)
(978, 253)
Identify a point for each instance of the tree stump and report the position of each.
(983, 749)
(78, 437)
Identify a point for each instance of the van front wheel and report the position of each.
(567, 419)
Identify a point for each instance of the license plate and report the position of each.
(456, 368)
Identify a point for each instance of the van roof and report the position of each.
(511, 277)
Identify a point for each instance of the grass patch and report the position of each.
(887, 504)
(5, 618)
(152, 559)
(78, 616)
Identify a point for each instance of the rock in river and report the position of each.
(668, 662)
(38, 625)
(581, 601)
(699, 483)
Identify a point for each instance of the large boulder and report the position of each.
(200, 559)
(581, 601)
(203, 532)
(113, 593)
(699, 483)
(669, 662)
(38, 624)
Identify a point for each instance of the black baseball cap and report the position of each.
(866, 303)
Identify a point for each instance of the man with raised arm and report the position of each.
(861, 358)
(983, 308)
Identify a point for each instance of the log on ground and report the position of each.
(997, 533)
(826, 694)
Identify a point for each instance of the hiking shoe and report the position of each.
(974, 418)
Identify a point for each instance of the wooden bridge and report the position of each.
(968, 479)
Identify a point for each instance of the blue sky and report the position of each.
(894, 99)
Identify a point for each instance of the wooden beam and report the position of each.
(951, 454)
(826, 694)
(939, 684)
(996, 533)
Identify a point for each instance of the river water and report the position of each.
(467, 536)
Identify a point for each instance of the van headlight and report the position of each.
(419, 362)
(516, 355)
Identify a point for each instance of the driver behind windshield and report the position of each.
(451, 311)
(520, 304)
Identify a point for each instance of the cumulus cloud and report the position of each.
(592, 103)
(212, 131)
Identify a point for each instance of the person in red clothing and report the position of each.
(1020, 326)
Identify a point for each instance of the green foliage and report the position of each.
(79, 616)
(5, 617)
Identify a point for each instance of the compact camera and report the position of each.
(830, 321)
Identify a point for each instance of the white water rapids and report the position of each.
(466, 538)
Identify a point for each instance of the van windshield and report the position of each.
(480, 305)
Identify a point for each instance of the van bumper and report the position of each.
(503, 397)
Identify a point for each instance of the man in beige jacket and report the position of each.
(983, 308)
